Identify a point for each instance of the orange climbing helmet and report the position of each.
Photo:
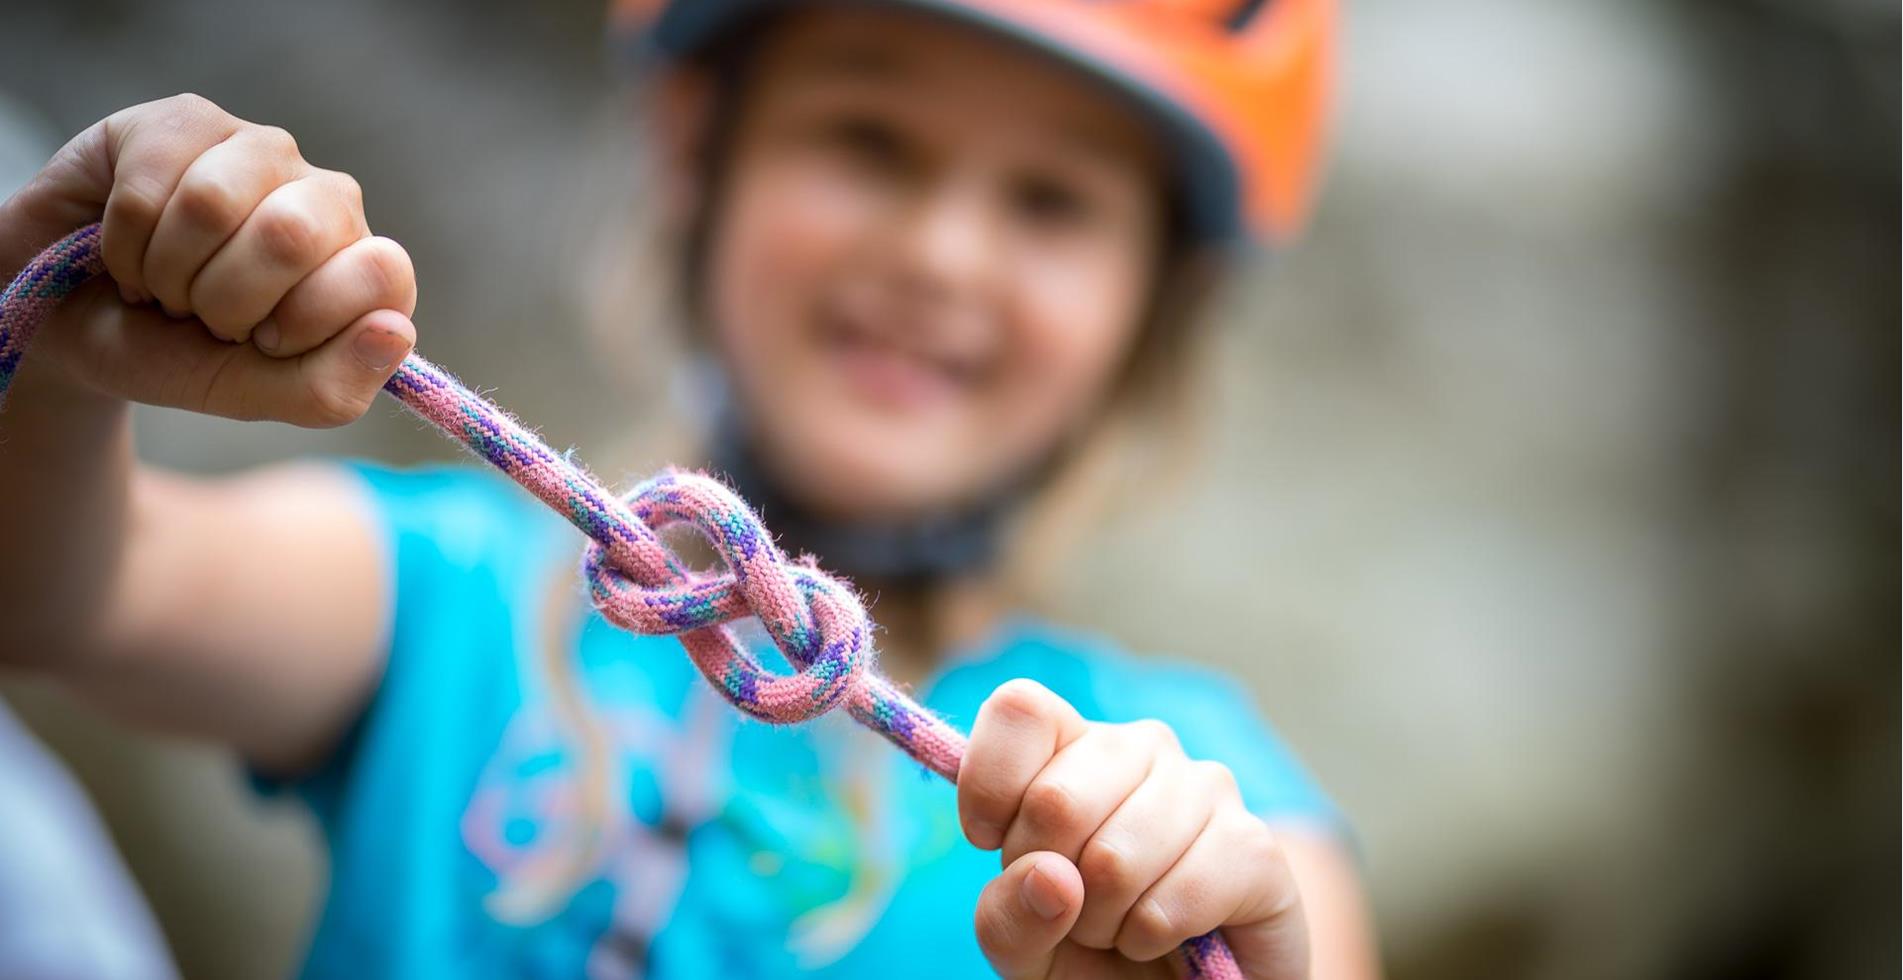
(1239, 88)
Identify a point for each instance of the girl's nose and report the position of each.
(946, 242)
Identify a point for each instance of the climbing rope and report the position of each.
(818, 623)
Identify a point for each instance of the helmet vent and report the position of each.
(1239, 18)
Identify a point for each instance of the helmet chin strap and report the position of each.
(917, 551)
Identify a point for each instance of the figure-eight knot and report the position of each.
(818, 623)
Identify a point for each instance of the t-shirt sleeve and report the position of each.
(458, 543)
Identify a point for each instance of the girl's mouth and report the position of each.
(882, 367)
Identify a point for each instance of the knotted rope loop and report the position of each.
(818, 623)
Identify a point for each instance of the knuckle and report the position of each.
(287, 233)
(1147, 931)
(135, 200)
(207, 202)
(1256, 844)
(1259, 851)
(1154, 733)
(192, 104)
(1050, 806)
(274, 139)
(391, 275)
(1130, 739)
(346, 188)
(351, 187)
(1214, 777)
(1105, 866)
(986, 799)
(193, 116)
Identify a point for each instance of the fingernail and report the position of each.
(174, 314)
(378, 349)
(1040, 893)
(986, 836)
(130, 295)
(266, 336)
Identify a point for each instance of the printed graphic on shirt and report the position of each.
(598, 785)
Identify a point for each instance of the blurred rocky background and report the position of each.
(1550, 507)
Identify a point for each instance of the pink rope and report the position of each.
(818, 622)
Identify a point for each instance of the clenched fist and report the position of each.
(1116, 848)
(245, 281)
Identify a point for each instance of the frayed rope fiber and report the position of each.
(636, 582)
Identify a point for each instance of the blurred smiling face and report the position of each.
(931, 257)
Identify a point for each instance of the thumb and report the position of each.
(142, 355)
(68, 192)
(336, 382)
(1027, 911)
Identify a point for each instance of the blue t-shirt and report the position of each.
(534, 793)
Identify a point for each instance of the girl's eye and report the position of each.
(866, 140)
(1049, 202)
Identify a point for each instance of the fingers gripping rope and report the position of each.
(636, 582)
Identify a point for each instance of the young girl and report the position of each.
(939, 252)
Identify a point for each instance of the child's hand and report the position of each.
(1117, 848)
(283, 305)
